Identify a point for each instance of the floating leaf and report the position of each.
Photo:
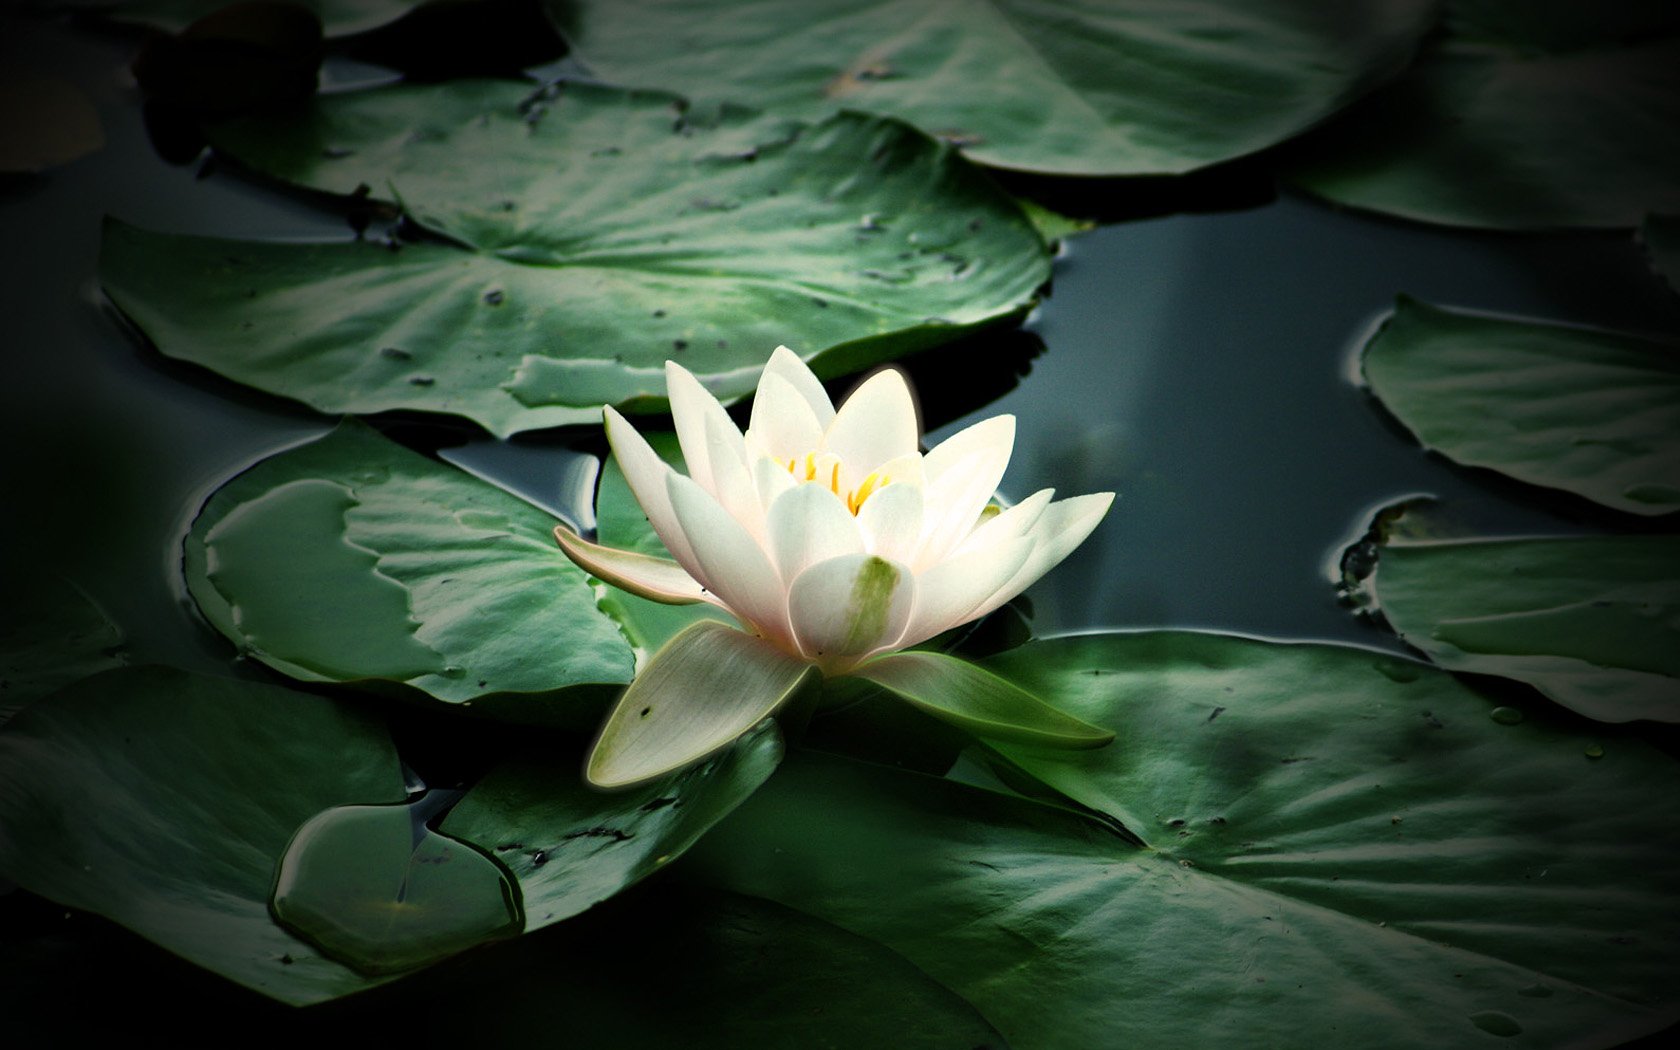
(1660, 235)
(1522, 116)
(1086, 88)
(1592, 412)
(338, 17)
(572, 847)
(1593, 622)
(50, 635)
(1337, 841)
(352, 559)
(374, 888)
(610, 234)
(163, 801)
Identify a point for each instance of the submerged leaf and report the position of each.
(1660, 234)
(1088, 87)
(1592, 412)
(50, 635)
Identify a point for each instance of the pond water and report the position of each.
(1196, 364)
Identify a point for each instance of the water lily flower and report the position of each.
(838, 545)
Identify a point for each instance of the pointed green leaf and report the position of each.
(1341, 846)
(601, 232)
(1592, 412)
(978, 700)
(1593, 622)
(572, 847)
(164, 800)
(1082, 87)
(50, 635)
(352, 559)
(706, 687)
(1519, 116)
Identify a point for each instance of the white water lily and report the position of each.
(837, 544)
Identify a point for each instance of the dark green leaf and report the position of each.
(572, 847)
(1523, 116)
(1592, 412)
(164, 800)
(351, 559)
(1593, 622)
(338, 17)
(50, 635)
(1341, 847)
(607, 234)
(1089, 87)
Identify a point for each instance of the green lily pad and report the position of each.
(602, 233)
(338, 17)
(352, 559)
(50, 635)
(163, 800)
(1521, 116)
(1084, 88)
(1593, 622)
(1660, 235)
(1592, 412)
(1338, 845)
(571, 847)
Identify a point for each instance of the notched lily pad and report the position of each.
(163, 800)
(1520, 116)
(1592, 412)
(352, 559)
(1089, 88)
(1335, 840)
(1593, 622)
(602, 232)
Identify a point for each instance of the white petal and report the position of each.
(877, 423)
(994, 437)
(786, 365)
(953, 503)
(694, 411)
(660, 579)
(732, 483)
(771, 479)
(808, 524)
(951, 592)
(891, 522)
(1063, 527)
(847, 608)
(646, 473)
(731, 565)
(783, 425)
(1011, 523)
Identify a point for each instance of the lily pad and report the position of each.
(1521, 116)
(1660, 235)
(1337, 845)
(1593, 622)
(571, 847)
(50, 635)
(352, 559)
(1084, 88)
(1592, 412)
(163, 800)
(602, 233)
(338, 17)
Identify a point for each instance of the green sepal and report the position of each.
(979, 701)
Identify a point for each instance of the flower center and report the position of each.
(825, 469)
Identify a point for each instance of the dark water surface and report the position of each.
(1198, 365)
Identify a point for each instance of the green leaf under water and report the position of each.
(1592, 412)
(1337, 845)
(163, 801)
(50, 635)
(602, 234)
(1089, 87)
(352, 559)
(1593, 622)
(1520, 116)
